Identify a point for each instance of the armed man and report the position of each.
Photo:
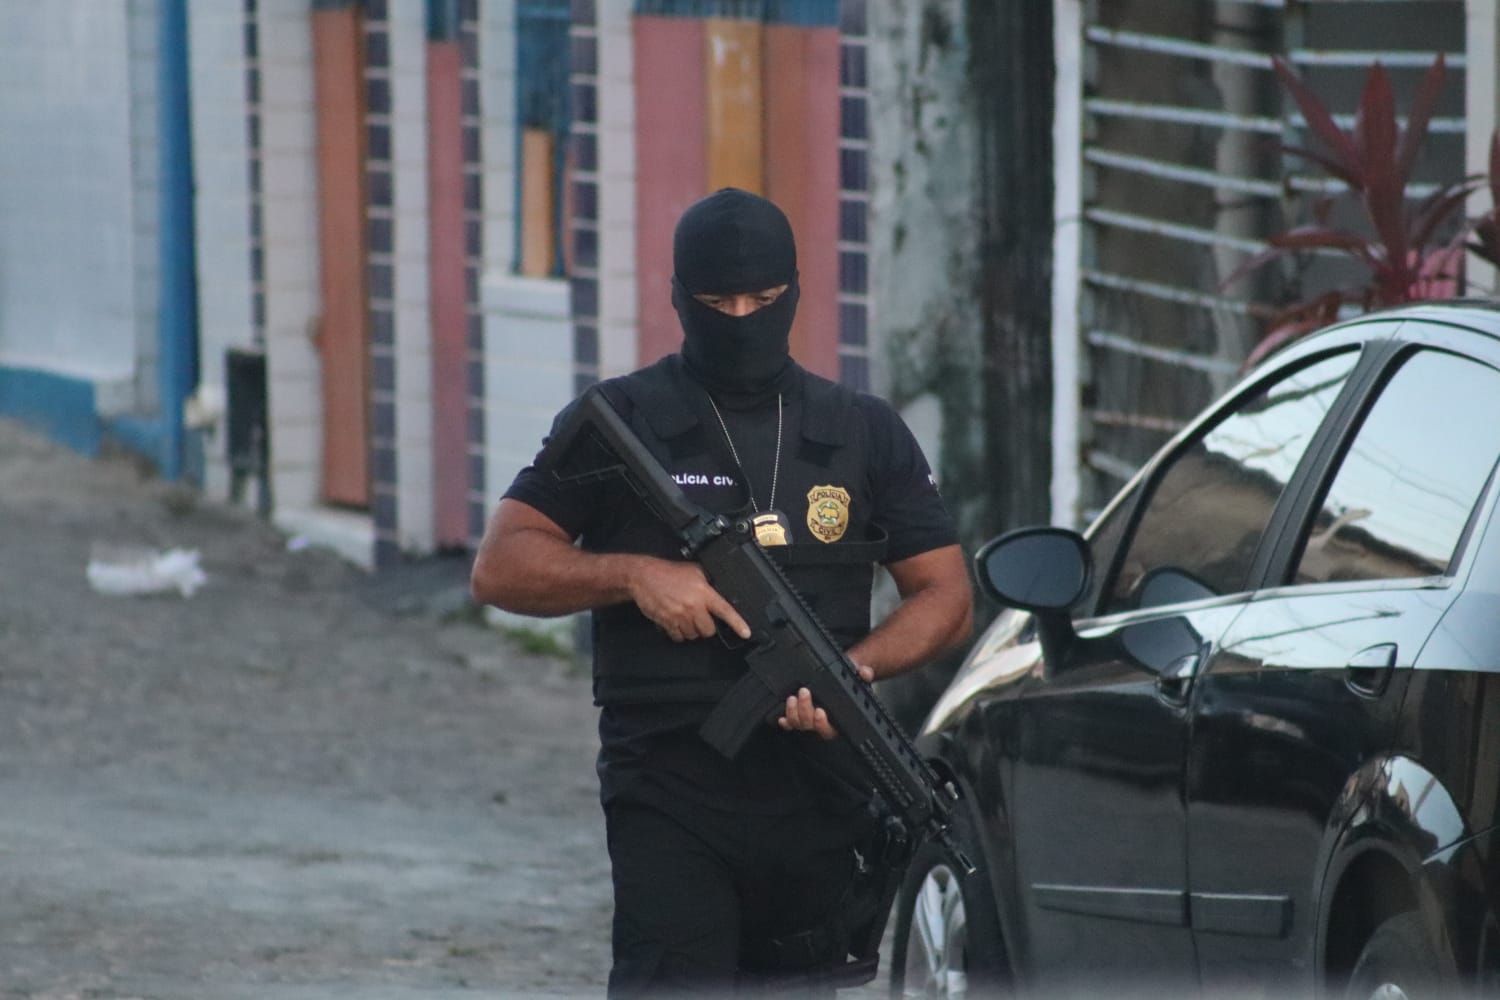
(732, 872)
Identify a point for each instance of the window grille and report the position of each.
(1183, 180)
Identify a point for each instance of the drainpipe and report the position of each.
(1067, 202)
(177, 323)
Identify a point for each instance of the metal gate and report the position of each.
(1182, 179)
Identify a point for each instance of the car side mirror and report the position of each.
(1041, 570)
(1170, 585)
(1044, 570)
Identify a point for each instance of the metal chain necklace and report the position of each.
(771, 527)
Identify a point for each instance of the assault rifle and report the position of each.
(788, 649)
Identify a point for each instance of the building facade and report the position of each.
(344, 259)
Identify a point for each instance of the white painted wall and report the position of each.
(143, 28)
(216, 54)
(618, 292)
(413, 317)
(289, 185)
(1067, 216)
(68, 248)
(528, 336)
(497, 106)
(528, 369)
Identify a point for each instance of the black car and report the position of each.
(1242, 737)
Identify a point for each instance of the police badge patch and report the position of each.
(827, 512)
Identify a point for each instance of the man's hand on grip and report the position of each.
(803, 716)
(680, 600)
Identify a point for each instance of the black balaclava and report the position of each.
(729, 243)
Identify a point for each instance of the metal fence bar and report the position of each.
(1166, 45)
(1188, 234)
(1329, 185)
(1167, 293)
(1183, 116)
(1229, 120)
(1187, 175)
(1451, 125)
(1186, 359)
(1357, 59)
(1116, 468)
(1223, 182)
(1136, 421)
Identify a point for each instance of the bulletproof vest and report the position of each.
(828, 495)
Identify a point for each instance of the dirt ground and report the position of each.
(301, 781)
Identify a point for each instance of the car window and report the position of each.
(1404, 491)
(1209, 506)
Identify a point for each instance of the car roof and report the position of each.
(1480, 315)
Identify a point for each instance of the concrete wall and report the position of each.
(71, 268)
(924, 229)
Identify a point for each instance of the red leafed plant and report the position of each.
(1404, 257)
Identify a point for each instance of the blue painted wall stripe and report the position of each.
(61, 407)
(177, 325)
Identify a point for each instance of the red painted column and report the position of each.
(802, 176)
(671, 164)
(343, 325)
(446, 292)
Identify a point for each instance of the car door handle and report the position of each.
(1369, 670)
(1175, 684)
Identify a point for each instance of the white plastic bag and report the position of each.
(146, 571)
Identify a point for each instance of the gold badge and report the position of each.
(827, 512)
(771, 528)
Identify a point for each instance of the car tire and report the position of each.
(946, 940)
(1399, 963)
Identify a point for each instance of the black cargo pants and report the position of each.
(698, 892)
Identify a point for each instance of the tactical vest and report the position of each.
(825, 480)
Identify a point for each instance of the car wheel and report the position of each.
(1398, 963)
(947, 934)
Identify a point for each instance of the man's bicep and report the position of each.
(514, 515)
(571, 507)
(939, 567)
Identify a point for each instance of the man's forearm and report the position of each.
(537, 573)
(925, 625)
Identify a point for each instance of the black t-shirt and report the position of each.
(653, 751)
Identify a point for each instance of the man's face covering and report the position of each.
(730, 243)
